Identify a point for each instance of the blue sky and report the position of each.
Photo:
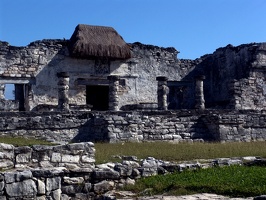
(193, 27)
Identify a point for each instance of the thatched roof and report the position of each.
(98, 41)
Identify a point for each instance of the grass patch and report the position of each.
(234, 181)
(21, 141)
(178, 152)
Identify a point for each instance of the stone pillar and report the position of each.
(162, 92)
(199, 94)
(235, 94)
(113, 92)
(2, 91)
(63, 87)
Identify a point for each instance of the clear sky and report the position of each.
(193, 27)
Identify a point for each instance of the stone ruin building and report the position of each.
(133, 92)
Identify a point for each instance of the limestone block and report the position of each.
(73, 181)
(56, 157)
(48, 173)
(11, 177)
(65, 197)
(76, 188)
(4, 163)
(70, 159)
(135, 173)
(26, 188)
(53, 184)
(104, 186)
(2, 185)
(23, 158)
(56, 194)
(45, 164)
(41, 198)
(69, 165)
(41, 187)
(106, 174)
(145, 172)
(69, 189)
(7, 147)
(42, 60)
(130, 181)
(87, 159)
(124, 170)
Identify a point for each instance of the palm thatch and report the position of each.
(98, 41)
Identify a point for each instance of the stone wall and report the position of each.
(69, 171)
(53, 127)
(157, 126)
(137, 126)
(71, 156)
(245, 66)
(106, 126)
(40, 61)
(238, 126)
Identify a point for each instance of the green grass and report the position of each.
(21, 141)
(234, 181)
(178, 152)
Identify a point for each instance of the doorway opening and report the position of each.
(98, 97)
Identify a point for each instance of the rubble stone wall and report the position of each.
(69, 171)
(137, 126)
(237, 126)
(53, 127)
(74, 155)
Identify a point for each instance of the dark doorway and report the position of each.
(20, 96)
(97, 96)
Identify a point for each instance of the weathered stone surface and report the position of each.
(104, 186)
(106, 174)
(26, 188)
(41, 187)
(73, 181)
(56, 194)
(53, 184)
(11, 177)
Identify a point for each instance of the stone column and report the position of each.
(162, 92)
(113, 92)
(199, 94)
(235, 94)
(2, 91)
(63, 87)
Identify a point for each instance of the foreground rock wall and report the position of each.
(71, 156)
(72, 173)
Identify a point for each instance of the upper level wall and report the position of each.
(39, 63)
(228, 64)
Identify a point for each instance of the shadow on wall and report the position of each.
(94, 130)
(220, 69)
